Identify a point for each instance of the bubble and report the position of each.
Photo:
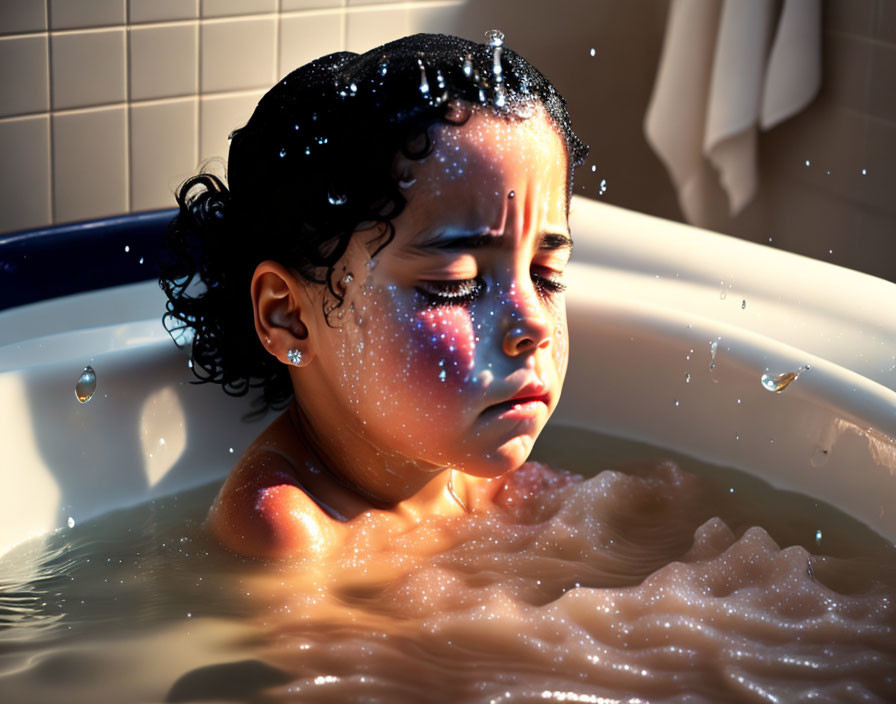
(86, 385)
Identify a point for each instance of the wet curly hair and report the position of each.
(314, 162)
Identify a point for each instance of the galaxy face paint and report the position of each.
(463, 310)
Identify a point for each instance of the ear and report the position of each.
(282, 307)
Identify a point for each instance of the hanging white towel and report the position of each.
(729, 68)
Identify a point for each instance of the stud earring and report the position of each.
(348, 278)
(294, 356)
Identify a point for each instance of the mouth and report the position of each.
(522, 406)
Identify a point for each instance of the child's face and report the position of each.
(435, 330)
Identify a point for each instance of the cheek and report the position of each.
(444, 337)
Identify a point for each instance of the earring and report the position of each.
(348, 278)
(295, 356)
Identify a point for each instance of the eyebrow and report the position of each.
(549, 241)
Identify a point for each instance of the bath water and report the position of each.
(666, 580)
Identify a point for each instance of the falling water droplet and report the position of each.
(424, 84)
(603, 186)
(86, 385)
(141, 260)
(495, 37)
(818, 536)
(808, 162)
(779, 382)
(676, 403)
(127, 248)
(468, 65)
(743, 304)
(593, 51)
(71, 522)
(687, 378)
(336, 199)
(282, 152)
(864, 172)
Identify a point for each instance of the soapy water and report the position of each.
(656, 582)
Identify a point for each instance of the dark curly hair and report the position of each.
(314, 162)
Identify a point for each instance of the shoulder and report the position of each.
(262, 511)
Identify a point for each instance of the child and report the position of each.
(387, 261)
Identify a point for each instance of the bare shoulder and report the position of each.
(263, 511)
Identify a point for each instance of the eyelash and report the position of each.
(463, 291)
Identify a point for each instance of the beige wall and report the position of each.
(106, 105)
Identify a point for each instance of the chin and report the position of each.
(508, 457)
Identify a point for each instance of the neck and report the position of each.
(385, 481)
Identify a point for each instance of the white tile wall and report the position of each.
(107, 105)
(162, 10)
(25, 176)
(237, 54)
(87, 68)
(24, 75)
(22, 16)
(226, 8)
(306, 37)
(219, 115)
(89, 163)
(163, 60)
(164, 145)
(70, 14)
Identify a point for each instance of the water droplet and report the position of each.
(593, 168)
(384, 68)
(71, 522)
(723, 295)
(468, 65)
(818, 536)
(779, 382)
(495, 37)
(820, 456)
(687, 378)
(676, 403)
(282, 152)
(127, 248)
(808, 162)
(353, 88)
(141, 260)
(593, 51)
(424, 84)
(830, 251)
(603, 186)
(442, 375)
(230, 450)
(713, 348)
(348, 278)
(86, 385)
(512, 194)
(482, 99)
(864, 172)
(743, 304)
(500, 99)
(337, 199)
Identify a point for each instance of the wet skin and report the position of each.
(395, 413)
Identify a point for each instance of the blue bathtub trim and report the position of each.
(61, 260)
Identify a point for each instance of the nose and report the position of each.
(528, 326)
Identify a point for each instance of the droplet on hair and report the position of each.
(282, 152)
(468, 65)
(495, 37)
(337, 199)
(406, 182)
(424, 84)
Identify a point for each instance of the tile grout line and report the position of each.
(128, 142)
(196, 93)
(277, 48)
(51, 161)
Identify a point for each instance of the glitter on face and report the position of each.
(435, 335)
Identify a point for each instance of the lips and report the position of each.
(521, 400)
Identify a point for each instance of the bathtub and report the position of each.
(672, 329)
